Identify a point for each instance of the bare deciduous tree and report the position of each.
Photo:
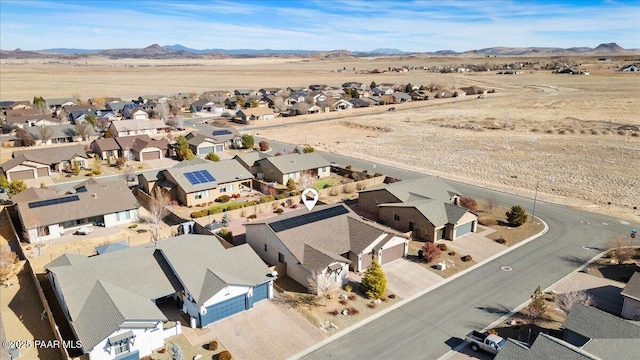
(45, 133)
(175, 122)
(491, 202)
(158, 210)
(622, 248)
(128, 173)
(8, 261)
(320, 284)
(565, 301)
(307, 179)
(83, 130)
(278, 104)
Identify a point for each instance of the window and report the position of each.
(396, 217)
(292, 176)
(226, 188)
(265, 247)
(123, 215)
(280, 258)
(202, 195)
(81, 221)
(121, 346)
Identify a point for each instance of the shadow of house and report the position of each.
(620, 273)
(607, 298)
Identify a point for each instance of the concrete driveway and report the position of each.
(268, 331)
(476, 245)
(405, 277)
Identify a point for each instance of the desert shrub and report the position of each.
(549, 131)
(372, 305)
(278, 211)
(442, 247)
(562, 132)
(234, 206)
(266, 199)
(225, 355)
(595, 132)
(264, 146)
(430, 252)
(353, 310)
(622, 132)
(214, 210)
(501, 240)
(384, 299)
(452, 253)
(516, 216)
(635, 134)
(213, 345)
(223, 198)
(352, 297)
(377, 174)
(348, 288)
(487, 220)
(308, 149)
(291, 184)
(343, 301)
(333, 191)
(226, 234)
(391, 296)
(535, 130)
(348, 167)
(281, 196)
(468, 203)
(333, 312)
(466, 258)
(583, 131)
(133, 226)
(361, 186)
(252, 216)
(197, 214)
(348, 189)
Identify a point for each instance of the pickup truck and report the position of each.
(483, 341)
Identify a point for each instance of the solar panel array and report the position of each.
(221, 132)
(199, 177)
(309, 218)
(41, 203)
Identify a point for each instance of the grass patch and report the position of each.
(321, 184)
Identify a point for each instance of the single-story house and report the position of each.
(218, 141)
(106, 148)
(631, 294)
(125, 143)
(199, 181)
(150, 149)
(401, 97)
(78, 117)
(362, 102)
(30, 164)
(257, 113)
(246, 92)
(46, 215)
(60, 134)
(249, 160)
(205, 104)
(138, 127)
(292, 166)
(341, 105)
(427, 207)
(418, 95)
(123, 291)
(302, 241)
(24, 118)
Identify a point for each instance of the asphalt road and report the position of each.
(431, 325)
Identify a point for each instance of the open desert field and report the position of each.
(582, 130)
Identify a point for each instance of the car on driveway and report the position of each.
(85, 230)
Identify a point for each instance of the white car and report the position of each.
(85, 230)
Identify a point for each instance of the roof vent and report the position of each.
(95, 195)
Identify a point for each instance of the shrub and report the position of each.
(281, 196)
(374, 282)
(236, 196)
(352, 297)
(492, 332)
(468, 203)
(197, 214)
(291, 184)
(333, 312)
(348, 167)
(501, 240)
(226, 234)
(295, 193)
(214, 210)
(133, 226)
(442, 247)
(384, 299)
(234, 206)
(516, 216)
(223, 198)
(431, 252)
(487, 220)
(372, 305)
(308, 149)
(266, 199)
(343, 301)
(264, 146)
(635, 134)
(225, 355)
(213, 345)
(348, 189)
(391, 296)
(278, 211)
(353, 310)
(466, 258)
(247, 141)
(252, 216)
(452, 253)
(212, 157)
(377, 174)
(348, 288)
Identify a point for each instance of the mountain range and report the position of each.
(178, 51)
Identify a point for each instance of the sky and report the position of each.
(415, 26)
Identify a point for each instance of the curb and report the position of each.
(415, 296)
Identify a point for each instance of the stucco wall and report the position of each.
(110, 219)
(145, 342)
(423, 229)
(369, 200)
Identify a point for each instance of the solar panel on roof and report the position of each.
(199, 177)
(309, 218)
(41, 203)
(221, 132)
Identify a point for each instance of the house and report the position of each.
(257, 113)
(294, 89)
(427, 207)
(14, 105)
(334, 94)
(271, 91)
(419, 95)
(199, 181)
(246, 92)
(216, 93)
(35, 163)
(60, 134)
(78, 117)
(292, 166)
(107, 148)
(135, 113)
(362, 102)
(381, 91)
(302, 241)
(250, 160)
(46, 215)
(341, 105)
(206, 105)
(630, 68)
(24, 118)
(138, 127)
(401, 97)
(56, 104)
(296, 97)
(126, 291)
(219, 141)
(149, 149)
(631, 294)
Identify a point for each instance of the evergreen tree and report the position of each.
(373, 85)
(516, 216)
(374, 282)
(291, 185)
(212, 157)
(408, 88)
(16, 187)
(247, 141)
(182, 149)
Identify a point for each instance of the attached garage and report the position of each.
(219, 148)
(43, 172)
(21, 175)
(464, 229)
(223, 309)
(392, 253)
(205, 150)
(261, 292)
(151, 155)
(366, 261)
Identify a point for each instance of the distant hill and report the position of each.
(178, 51)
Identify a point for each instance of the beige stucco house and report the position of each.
(292, 166)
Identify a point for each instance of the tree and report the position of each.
(247, 141)
(177, 352)
(373, 85)
(8, 261)
(4, 183)
(26, 139)
(408, 88)
(468, 203)
(109, 133)
(225, 221)
(565, 301)
(182, 149)
(621, 249)
(254, 103)
(278, 104)
(291, 184)
(431, 252)
(103, 124)
(40, 103)
(355, 94)
(264, 146)
(537, 307)
(158, 210)
(516, 216)
(241, 101)
(128, 173)
(212, 157)
(91, 120)
(308, 149)
(307, 179)
(175, 122)
(83, 130)
(374, 282)
(491, 202)
(320, 284)
(16, 187)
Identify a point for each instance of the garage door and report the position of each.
(152, 155)
(222, 310)
(366, 261)
(21, 175)
(219, 148)
(392, 253)
(260, 292)
(43, 172)
(206, 150)
(463, 229)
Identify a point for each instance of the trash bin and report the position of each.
(420, 254)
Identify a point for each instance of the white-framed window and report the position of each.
(123, 215)
(396, 217)
(202, 195)
(226, 188)
(121, 346)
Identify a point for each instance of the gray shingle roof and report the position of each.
(223, 171)
(59, 131)
(597, 324)
(545, 347)
(292, 163)
(126, 142)
(106, 144)
(133, 125)
(614, 348)
(52, 155)
(426, 187)
(632, 289)
(249, 158)
(109, 198)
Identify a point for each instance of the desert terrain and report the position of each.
(582, 130)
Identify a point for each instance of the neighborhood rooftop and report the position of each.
(222, 172)
(422, 188)
(292, 163)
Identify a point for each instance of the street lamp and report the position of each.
(535, 198)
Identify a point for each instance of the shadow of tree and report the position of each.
(498, 309)
(574, 260)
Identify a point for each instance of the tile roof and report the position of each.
(632, 289)
(223, 171)
(292, 163)
(597, 324)
(52, 155)
(110, 197)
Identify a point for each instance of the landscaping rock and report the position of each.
(344, 312)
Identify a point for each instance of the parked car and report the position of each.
(483, 341)
(391, 109)
(85, 230)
